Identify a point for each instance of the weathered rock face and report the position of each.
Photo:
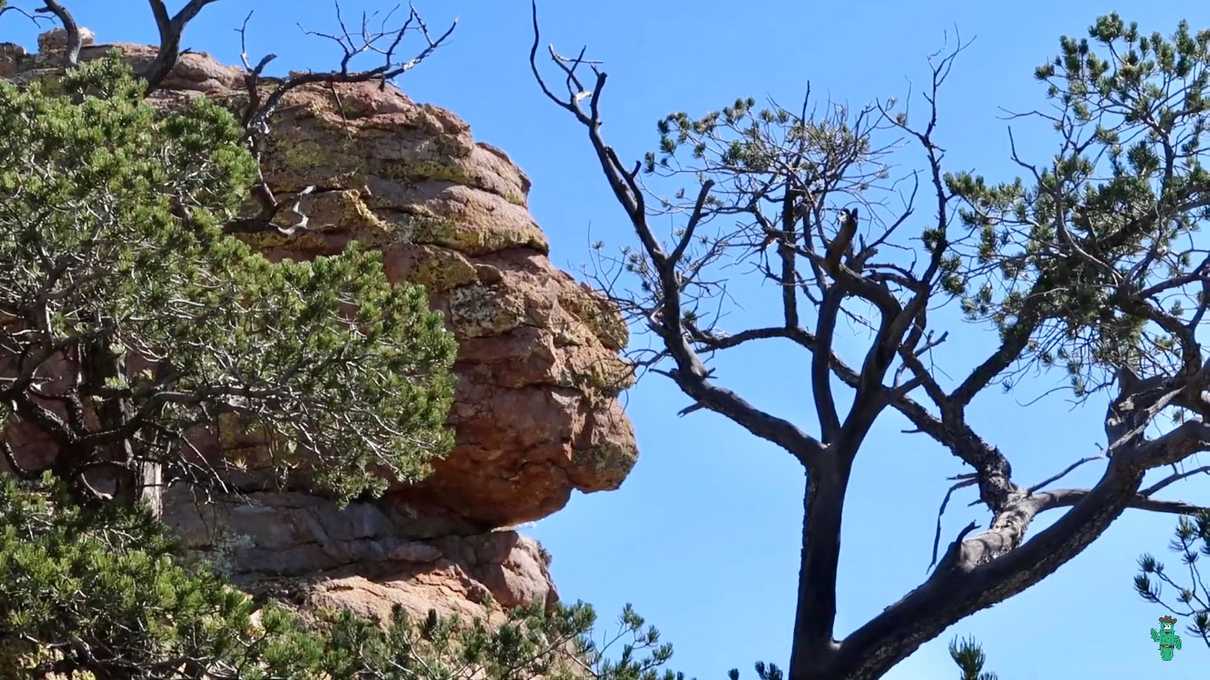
(538, 371)
(536, 414)
(366, 557)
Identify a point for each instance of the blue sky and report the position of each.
(703, 536)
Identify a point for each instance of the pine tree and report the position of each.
(94, 593)
(1189, 596)
(118, 277)
(842, 236)
(968, 654)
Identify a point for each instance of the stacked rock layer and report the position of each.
(536, 414)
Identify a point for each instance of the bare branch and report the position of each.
(171, 28)
(969, 480)
(1063, 498)
(1170, 479)
(32, 16)
(1064, 473)
(260, 109)
(71, 52)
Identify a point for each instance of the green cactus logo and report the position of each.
(1166, 637)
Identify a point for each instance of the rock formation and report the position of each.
(536, 414)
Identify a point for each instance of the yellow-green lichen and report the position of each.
(441, 231)
(416, 171)
(304, 155)
(329, 212)
(476, 312)
(599, 315)
(608, 462)
(438, 269)
(602, 379)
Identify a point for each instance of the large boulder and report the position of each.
(538, 371)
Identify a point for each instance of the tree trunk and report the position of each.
(814, 649)
(138, 480)
(151, 490)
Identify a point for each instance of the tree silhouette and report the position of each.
(1089, 263)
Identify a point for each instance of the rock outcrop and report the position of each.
(366, 557)
(538, 372)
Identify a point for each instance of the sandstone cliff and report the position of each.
(538, 373)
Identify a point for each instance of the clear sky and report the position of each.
(703, 536)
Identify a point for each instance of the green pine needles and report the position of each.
(128, 319)
(968, 654)
(89, 594)
(1187, 595)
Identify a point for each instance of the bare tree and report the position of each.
(365, 39)
(1090, 261)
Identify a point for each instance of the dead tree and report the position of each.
(1090, 262)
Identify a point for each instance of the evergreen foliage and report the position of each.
(1191, 543)
(763, 672)
(969, 656)
(1073, 251)
(102, 593)
(117, 272)
(128, 320)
